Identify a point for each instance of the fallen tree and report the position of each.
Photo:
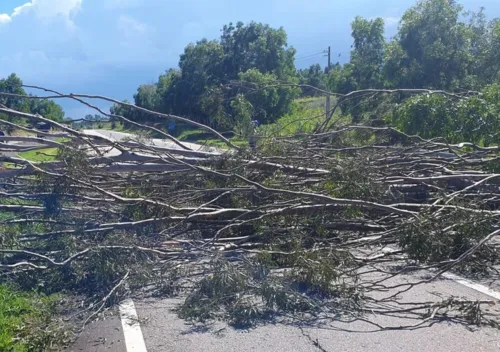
(316, 226)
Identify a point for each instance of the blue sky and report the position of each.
(109, 47)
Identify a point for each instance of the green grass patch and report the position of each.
(9, 165)
(25, 319)
(195, 135)
(221, 144)
(206, 138)
(302, 120)
(118, 127)
(40, 155)
(312, 102)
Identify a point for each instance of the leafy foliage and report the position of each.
(228, 82)
(199, 88)
(13, 85)
(428, 242)
(245, 295)
(435, 46)
(268, 100)
(313, 76)
(367, 58)
(474, 119)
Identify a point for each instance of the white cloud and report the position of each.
(4, 18)
(20, 9)
(391, 21)
(41, 43)
(46, 10)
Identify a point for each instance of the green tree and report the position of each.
(257, 46)
(313, 76)
(146, 97)
(125, 111)
(367, 57)
(201, 69)
(268, 100)
(200, 89)
(13, 85)
(341, 79)
(426, 115)
(486, 40)
(44, 107)
(47, 108)
(168, 89)
(364, 69)
(431, 49)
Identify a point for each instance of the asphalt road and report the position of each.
(121, 136)
(163, 331)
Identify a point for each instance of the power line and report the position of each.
(309, 56)
(315, 53)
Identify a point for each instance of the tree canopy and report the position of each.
(211, 74)
(45, 107)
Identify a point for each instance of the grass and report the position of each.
(312, 102)
(193, 135)
(119, 127)
(301, 120)
(40, 155)
(219, 143)
(205, 138)
(24, 320)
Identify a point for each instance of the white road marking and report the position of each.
(134, 341)
(475, 286)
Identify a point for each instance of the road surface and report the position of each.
(163, 143)
(123, 137)
(156, 328)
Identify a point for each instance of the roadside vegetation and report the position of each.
(27, 321)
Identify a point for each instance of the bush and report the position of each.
(429, 116)
(473, 119)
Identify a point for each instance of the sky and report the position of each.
(110, 47)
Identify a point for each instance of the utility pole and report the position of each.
(327, 105)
